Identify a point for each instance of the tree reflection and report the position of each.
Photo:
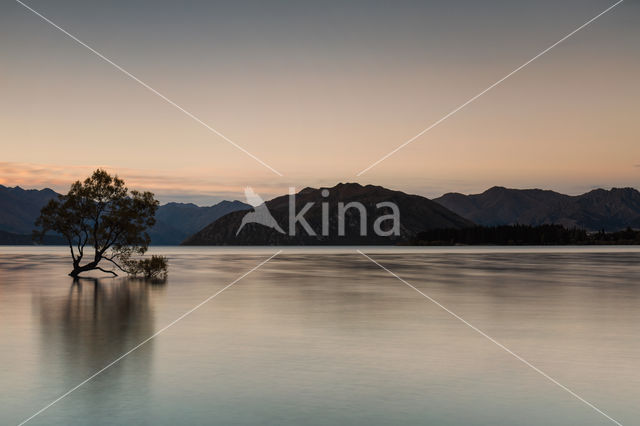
(98, 321)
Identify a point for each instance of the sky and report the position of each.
(319, 91)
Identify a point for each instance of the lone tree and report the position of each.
(102, 220)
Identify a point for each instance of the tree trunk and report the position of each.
(77, 269)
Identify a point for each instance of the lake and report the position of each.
(323, 336)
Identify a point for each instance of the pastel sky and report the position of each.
(319, 91)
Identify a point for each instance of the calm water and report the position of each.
(325, 337)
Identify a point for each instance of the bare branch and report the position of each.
(110, 259)
(106, 271)
(73, 256)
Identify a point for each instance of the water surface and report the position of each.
(322, 336)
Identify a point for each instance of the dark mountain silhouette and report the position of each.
(19, 209)
(416, 214)
(609, 210)
(596, 210)
(11, 239)
(177, 221)
(525, 235)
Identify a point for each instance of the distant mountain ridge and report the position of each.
(175, 222)
(19, 209)
(416, 214)
(12, 239)
(611, 210)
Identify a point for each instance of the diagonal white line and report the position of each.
(115, 361)
(489, 88)
(500, 345)
(133, 77)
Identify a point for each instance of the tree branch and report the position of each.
(83, 225)
(73, 256)
(110, 259)
(106, 271)
(110, 242)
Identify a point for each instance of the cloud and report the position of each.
(193, 185)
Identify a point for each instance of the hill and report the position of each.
(524, 235)
(19, 209)
(611, 210)
(177, 221)
(11, 239)
(416, 214)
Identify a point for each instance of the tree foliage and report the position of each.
(102, 220)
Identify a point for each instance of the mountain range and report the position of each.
(609, 210)
(19, 209)
(177, 221)
(595, 210)
(416, 214)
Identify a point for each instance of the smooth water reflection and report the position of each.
(324, 337)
